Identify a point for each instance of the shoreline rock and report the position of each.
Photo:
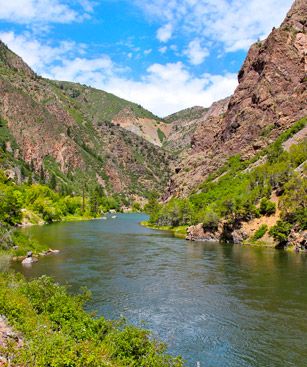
(29, 259)
(198, 233)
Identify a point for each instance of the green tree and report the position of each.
(53, 183)
(267, 207)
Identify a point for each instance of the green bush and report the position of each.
(260, 232)
(281, 231)
(209, 219)
(56, 331)
(267, 207)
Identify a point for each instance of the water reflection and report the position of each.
(220, 305)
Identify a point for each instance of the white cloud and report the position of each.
(40, 11)
(164, 89)
(35, 53)
(87, 5)
(163, 49)
(83, 70)
(196, 53)
(169, 88)
(165, 33)
(234, 23)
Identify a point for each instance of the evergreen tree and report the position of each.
(42, 174)
(53, 183)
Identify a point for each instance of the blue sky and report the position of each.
(164, 54)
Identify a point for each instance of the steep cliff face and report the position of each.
(271, 96)
(184, 124)
(52, 132)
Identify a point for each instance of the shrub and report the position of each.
(267, 207)
(210, 220)
(56, 330)
(281, 231)
(260, 232)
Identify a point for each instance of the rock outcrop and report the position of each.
(270, 97)
(225, 232)
(298, 239)
(198, 233)
(185, 123)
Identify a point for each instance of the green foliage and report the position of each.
(10, 205)
(56, 330)
(186, 114)
(293, 203)
(261, 231)
(52, 182)
(161, 135)
(281, 231)
(234, 192)
(152, 208)
(104, 106)
(136, 207)
(209, 218)
(267, 207)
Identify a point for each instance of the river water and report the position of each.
(221, 306)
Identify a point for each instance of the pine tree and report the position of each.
(53, 182)
(42, 175)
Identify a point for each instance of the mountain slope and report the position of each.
(99, 106)
(184, 124)
(270, 97)
(50, 131)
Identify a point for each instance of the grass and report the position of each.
(161, 135)
(261, 231)
(180, 231)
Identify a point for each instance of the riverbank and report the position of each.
(179, 232)
(15, 245)
(169, 284)
(41, 324)
(255, 238)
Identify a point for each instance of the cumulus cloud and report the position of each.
(41, 11)
(164, 33)
(163, 49)
(83, 70)
(37, 54)
(235, 24)
(196, 53)
(168, 88)
(163, 89)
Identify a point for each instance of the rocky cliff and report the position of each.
(49, 126)
(270, 97)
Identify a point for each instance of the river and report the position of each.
(219, 305)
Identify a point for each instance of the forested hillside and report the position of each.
(241, 191)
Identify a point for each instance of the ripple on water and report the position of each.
(224, 306)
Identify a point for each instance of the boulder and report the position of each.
(198, 233)
(29, 259)
(298, 238)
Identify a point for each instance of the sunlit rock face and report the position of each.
(270, 97)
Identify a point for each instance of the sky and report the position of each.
(166, 55)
